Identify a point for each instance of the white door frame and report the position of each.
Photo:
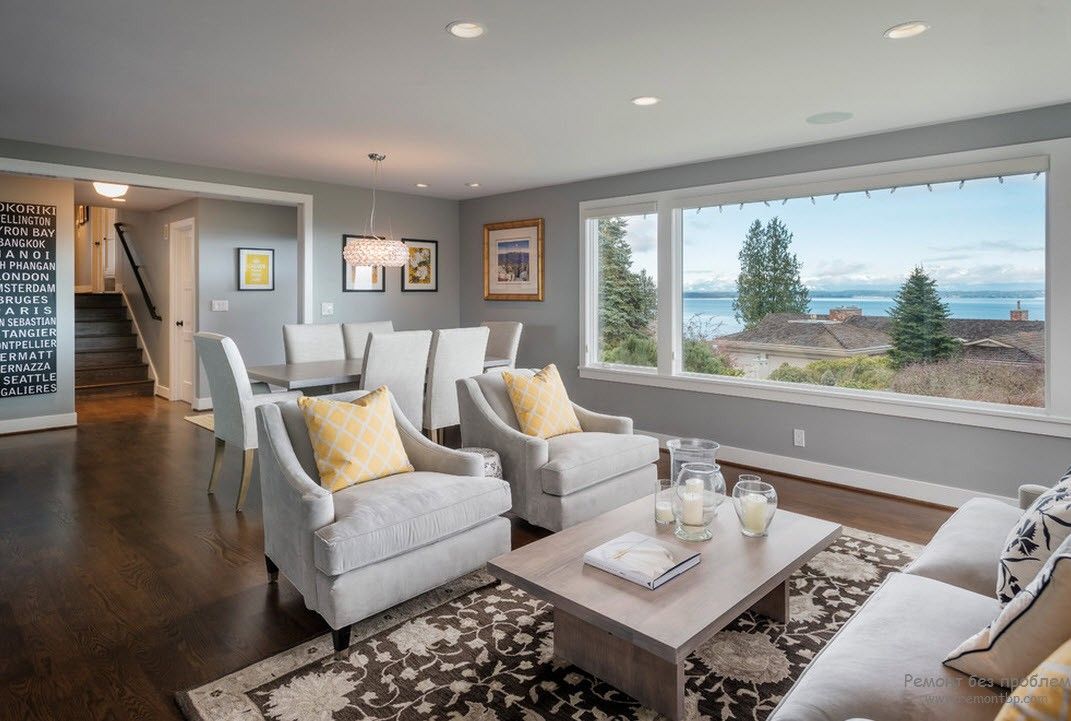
(174, 310)
(302, 201)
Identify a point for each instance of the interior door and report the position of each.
(184, 310)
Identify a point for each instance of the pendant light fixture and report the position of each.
(375, 250)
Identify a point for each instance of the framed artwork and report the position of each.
(256, 269)
(421, 273)
(361, 278)
(513, 260)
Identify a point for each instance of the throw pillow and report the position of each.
(1042, 528)
(542, 406)
(1025, 631)
(354, 442)
(1044, 694)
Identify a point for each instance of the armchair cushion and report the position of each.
(580, 460)
(380, 519)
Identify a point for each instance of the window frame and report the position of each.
(1050, 157)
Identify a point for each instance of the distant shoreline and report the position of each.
(1032, 294)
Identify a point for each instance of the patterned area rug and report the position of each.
(487, 655)
(204, 420)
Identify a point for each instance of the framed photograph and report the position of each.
(513, 260)
(422, 270)
(361, 278)
(256, 269)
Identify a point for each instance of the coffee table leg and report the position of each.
(774, 605)
(651, 680)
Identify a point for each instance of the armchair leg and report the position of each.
(217, 465)
(247, 473)
(341, 638)
(273, 570)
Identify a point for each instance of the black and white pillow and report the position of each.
(1040, 531)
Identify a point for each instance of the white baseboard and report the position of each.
(38, 423)
(851, 477)
(202, 404)
(162, 391)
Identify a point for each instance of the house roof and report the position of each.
(1008, 341)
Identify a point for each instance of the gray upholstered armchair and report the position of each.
(358, 551)
(561, 481)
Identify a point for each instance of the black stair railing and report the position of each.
(137, 273)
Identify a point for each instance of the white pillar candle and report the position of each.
(753, 507)
(663, 511)
(692, 502)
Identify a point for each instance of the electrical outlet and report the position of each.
(221, 305)
(327, 308)
(798, 437)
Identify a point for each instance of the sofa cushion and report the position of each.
(390, 516)
(965, 551)
(580, 460)
(1026, 631)
(885, 663)
(1039, 532)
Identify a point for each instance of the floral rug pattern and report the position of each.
(487, 655)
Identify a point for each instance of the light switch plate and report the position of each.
(327, 308)
(221, 305)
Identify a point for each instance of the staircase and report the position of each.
(107, 359)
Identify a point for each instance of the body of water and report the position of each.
(720, 310)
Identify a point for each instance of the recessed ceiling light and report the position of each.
(473, 185)
(836, 116)
(465, 29)
(119, 200)
(645, 101)
(111, 190)
(906, 30)
(421, 185)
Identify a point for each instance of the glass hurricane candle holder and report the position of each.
(689, 450)
(755, 502)
(663, 502)
(698, 490)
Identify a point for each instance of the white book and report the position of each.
(641, 559)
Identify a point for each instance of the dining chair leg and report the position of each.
(247, 473)
(217, 465)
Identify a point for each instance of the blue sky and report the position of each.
(985, 235)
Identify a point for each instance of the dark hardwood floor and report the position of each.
(122, 581)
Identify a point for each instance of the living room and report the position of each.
(813, 251)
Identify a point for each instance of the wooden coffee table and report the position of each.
(637, 639)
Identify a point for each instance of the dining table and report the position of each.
(317, 374)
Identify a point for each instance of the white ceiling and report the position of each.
(136, 198)
(308, 89)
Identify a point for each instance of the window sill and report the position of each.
(968, 413)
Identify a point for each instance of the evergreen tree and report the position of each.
(769, 280)
(627, 300)
(919, 323)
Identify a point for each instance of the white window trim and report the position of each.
(1053, 157)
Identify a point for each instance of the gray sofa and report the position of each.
(885, 664)
(561, 481)
(368, 547)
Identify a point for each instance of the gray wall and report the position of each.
(61, 194)
(968, 457)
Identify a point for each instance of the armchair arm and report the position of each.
(428, 456)
(249, 407)
(295, 506)
(591, 421)
(1029, 492)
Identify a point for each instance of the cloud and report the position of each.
(1010, 246)
(947, 258)
(713, 282)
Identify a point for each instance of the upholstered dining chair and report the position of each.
(455, 353)
(399, 361)
(307, 342)
(558, 482)
(355, 335)
(504, 340)
(234, 400)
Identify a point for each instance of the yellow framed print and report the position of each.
(256, 269)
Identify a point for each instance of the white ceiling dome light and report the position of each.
(375, 250)
(910, 29)
(646, 101)
(111, 190)
(465, 29)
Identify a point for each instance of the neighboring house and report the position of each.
(799, 339)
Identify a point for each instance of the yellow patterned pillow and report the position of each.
(541, 403)
(1045, 693)
(354, 442)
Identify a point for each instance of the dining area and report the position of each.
(420, 367)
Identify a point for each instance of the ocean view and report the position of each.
(960, 306)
